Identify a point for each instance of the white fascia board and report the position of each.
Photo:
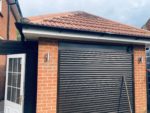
(35, 34)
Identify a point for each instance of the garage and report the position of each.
(94, 78)
(88, 64)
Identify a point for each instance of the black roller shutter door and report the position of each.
(95, 79)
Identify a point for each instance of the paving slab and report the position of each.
(1, 106)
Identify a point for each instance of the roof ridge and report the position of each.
(123, 24)
(99, 17)
(51, 15)
(127, 25)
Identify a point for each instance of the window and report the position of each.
(0, 6)
(14, 78)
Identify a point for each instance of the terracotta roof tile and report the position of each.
(87, 22)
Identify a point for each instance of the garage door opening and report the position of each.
(95, 78)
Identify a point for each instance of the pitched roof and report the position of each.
(147, 25)
(87, 22)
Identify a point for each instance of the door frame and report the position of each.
(30, 48)
(22, 85)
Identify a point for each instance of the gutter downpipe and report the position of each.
(8, 17)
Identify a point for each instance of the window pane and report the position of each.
(8, 93)
(19, 80)
(18, 96)
(19, 64)
(14, 80)
(9, 79)
(10, 65)
(15, 65)
(14, 94)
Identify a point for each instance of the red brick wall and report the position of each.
(140, 80)
(3, 23)
(47, 77)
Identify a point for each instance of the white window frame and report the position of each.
(1, 6)
(1, 38)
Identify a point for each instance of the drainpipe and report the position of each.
(8, 17)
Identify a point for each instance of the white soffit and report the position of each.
(35, 34)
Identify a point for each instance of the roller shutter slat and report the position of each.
(90, 79)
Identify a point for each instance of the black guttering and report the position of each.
(17, 7)
(9, 5)
(20, 26)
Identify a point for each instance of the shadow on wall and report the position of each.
(2, 76)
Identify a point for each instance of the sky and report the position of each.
(131, 12)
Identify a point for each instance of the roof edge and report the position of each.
(32, 32)
(20, 26)
(37, 34)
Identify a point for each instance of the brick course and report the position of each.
(47, 77)
(140, 80)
